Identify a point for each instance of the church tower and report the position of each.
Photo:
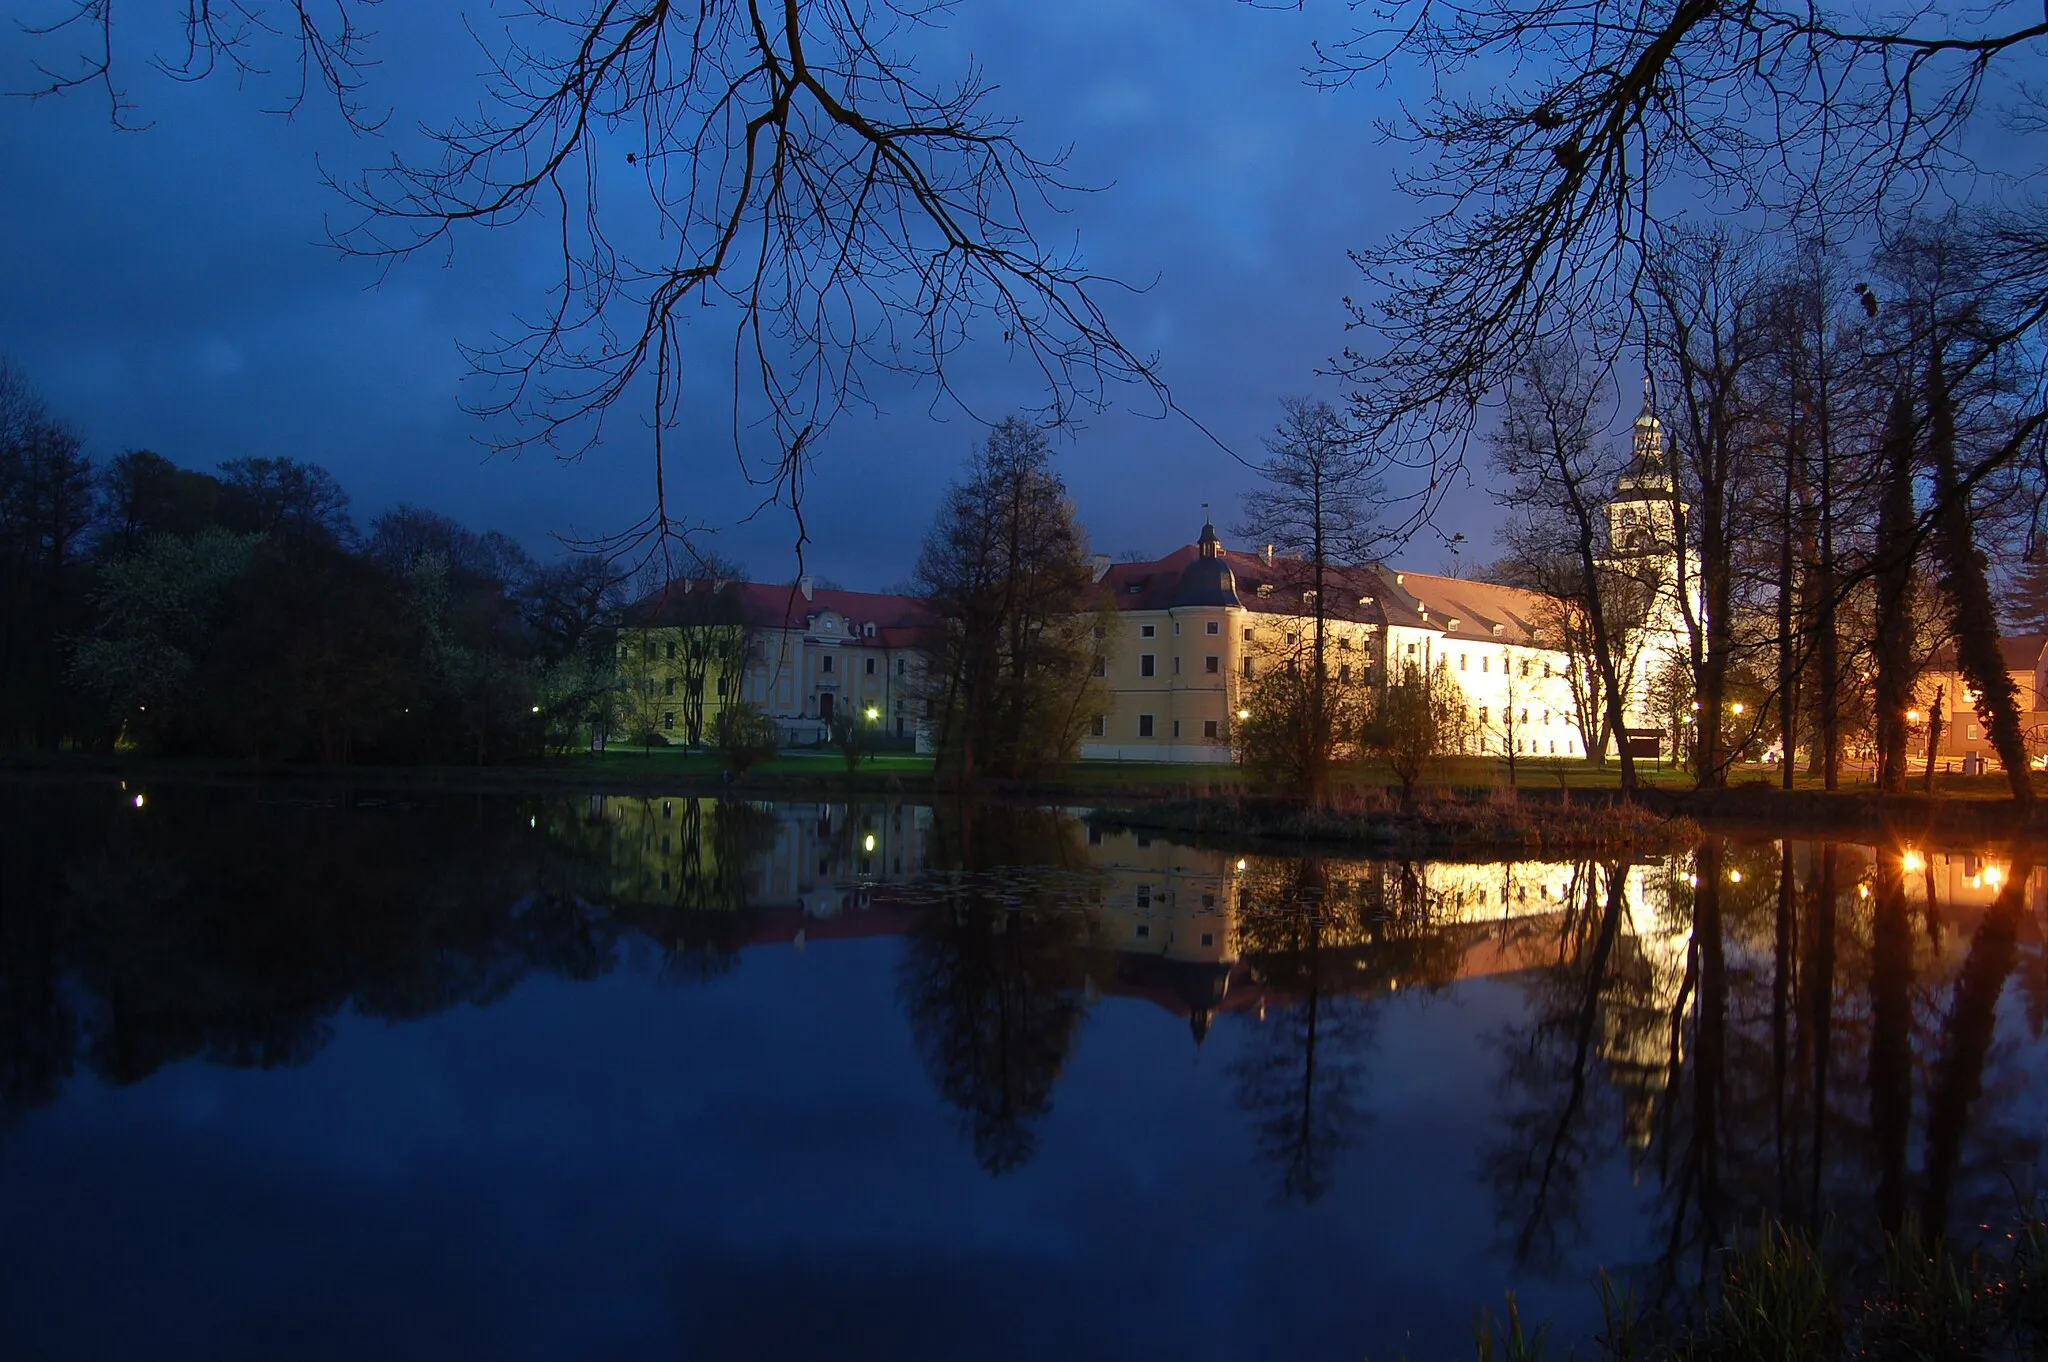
(1645, 542)
(1640, 520)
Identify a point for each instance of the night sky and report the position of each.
(173, 288)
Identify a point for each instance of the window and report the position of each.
(1097, 726)
(1209, 729)
(1208, 938)
(1176, 664)
(1144, 725)
(1247, 633)
(671, 651)
(1176, 628)
(1553, 747)
(1247, 668)
(1145, 664)
(826, 665)
(668, 686)
(1525, 716)
(1546, 671)
(1344, 675)
(1212, 628)
(1290, 640)
(1486, 664)
(722, 680)
(1411, 650)
(1482, 713)
(668, 718)
(1525, 666)
(1144, 928)
(902, 665)
(1212, 664)
(1546, 716)
(1176, 728)
(1461, 662)
(1147, 630)
(1102, 666)
(871, 666)
(1144, 901)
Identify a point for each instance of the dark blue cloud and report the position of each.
(172, 288)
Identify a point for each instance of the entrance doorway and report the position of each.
(825, 707)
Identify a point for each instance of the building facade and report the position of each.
(1188, 637)
(805, 655)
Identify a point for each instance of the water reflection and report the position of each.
(1815, 1031)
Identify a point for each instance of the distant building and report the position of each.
(806, 654)
(1193, 632)
(1964, 735)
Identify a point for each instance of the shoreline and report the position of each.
(1739, 810)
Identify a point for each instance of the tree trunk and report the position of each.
(1893, 561)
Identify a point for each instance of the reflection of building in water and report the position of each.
(1178, 921)
(818, 859)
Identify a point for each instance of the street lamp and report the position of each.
(1244, 714)
(1738, 707)
(873, 714)
(1912, 716)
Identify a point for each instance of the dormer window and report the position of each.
(1451, 623)
(1365, 600)
(1498, 630)
(868, 630)
(1308, 597)
(1265, 589)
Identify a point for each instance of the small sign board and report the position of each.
(1643, 742)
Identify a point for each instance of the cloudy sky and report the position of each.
(171, 288)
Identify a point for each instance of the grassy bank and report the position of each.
(1783, 1297)
(1589, 823)
(1457, 805)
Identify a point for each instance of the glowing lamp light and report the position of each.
(1912, 861)
(1912, 716)
(873, 714)
(1994, 875)
(1244, 714)
(1738, 706)
(867, 843)
(138, 801)
(1240, 863)
(1693, 881)
(1735, 877)
(1862, 891)
(536, 709)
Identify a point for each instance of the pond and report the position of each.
(286, 1073)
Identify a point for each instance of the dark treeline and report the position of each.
(241, 613)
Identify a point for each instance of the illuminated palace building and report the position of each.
(1194, 632)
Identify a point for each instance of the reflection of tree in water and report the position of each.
(1557, 1116)
(993, 973)
(1300, 1070)
(1771, 1060)
(722, 843)
(211, 924)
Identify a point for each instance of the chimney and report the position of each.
(803, 584)
(1267, 554)
(1101, 562)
